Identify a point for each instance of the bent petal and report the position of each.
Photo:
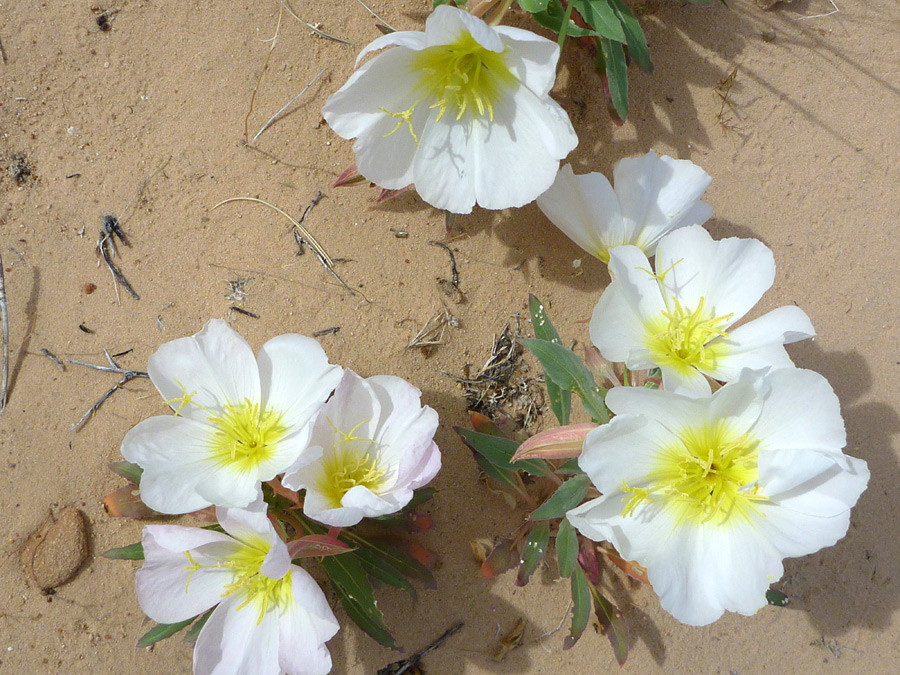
(445, 25)
(233, 642)
(531, 58)
(216, 366)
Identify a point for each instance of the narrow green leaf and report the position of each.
(777, 598)
(194, 632)
(611, 622)
(162, 631)
(533, 553)
(131, 552)
(566, 548)
(581, 607)
(352, 587)
(504, 477)
(128, 471)
(400, 560)
(601, 17)
(567, 497)
(560, 399)
(555, 18)
(383, 571)
(570, 467)
(533, 6)
(637, 44)
(499, 451)
(568, 371)
(616, 74)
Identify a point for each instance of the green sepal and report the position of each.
(162, 631)
(130, 552)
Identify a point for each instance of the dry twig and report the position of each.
(4, 319)
(113, 367)
(285, 106)
(313, 28)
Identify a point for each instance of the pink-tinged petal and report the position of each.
(443, 166)
(318, 509)
(386, 82)
(530, 57)
(446, 24)
(426, 469)
(215, 366)
(758, 343)
(821, 484)
(354, 406)
(296, 378)
(305, 627)
(411, 39)
(616, 327)
(174, 453)
(801, 411)
(586, 209)
(233, 643)
(168, 589)
(363, 500)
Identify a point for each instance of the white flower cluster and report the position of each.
(359, 447)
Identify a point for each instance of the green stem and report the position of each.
(564, 25)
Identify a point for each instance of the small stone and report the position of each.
(768, 35)
(53, 555)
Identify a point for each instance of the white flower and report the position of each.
(462, 111)
(652, 196)
(679, 318)
(239, 420)
(710, 494)
(271, 616)
(376, 447)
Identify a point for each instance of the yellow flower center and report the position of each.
(683, 338)
(244, 436)
(707, 475)
(460, 77)
(353, 461)
(255, 587)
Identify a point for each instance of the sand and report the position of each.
(151, 115)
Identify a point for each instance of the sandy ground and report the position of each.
(810, 167)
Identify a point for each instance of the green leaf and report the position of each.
(533, 553)
(499, 452)
(568, 371)
(777, 598)
(613, 626)
(383, 571)
(566, 548)
(560, 399)
(637, 44)
(400, 560)
(162, 631)
(567, 497)
(352, 587)
(570, 467)
(554, 18)
(613, 57)
(533, 5)
(601, 17)
(504, 557)
(194, 632)
(128, 471)
(131, 552)
(581, 607)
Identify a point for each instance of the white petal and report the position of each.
(697, 214)
(296, 378)
(305, 627)
(796, 534)
(411, 39)
(248, 524)
(616, 328)
(685, 256)
(167, 590)
(353, 406)
(688, 381)
(593, 518)
(531, 58)
(315, 506)
(801, 411)
(586, 209)
(443, 167)
(628, 266)
(232, 643)
(216, 365)
(362, 499)
(656, 193)
(758, 344)
(426, 469)
(405, 429)
(385, 152)
(446, 24)
(174, 453)
(670, 410)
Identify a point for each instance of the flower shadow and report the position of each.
(850, 584)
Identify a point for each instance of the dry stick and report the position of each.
(287, 105)
(127, 375)
(3, 53)
(324, 258)
(376, 16)
(50, 355)
(262, 72)
(4, 319)
(315, 30)
(454, 274)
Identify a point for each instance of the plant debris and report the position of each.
(433, 333)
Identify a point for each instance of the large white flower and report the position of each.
(679, 318)
(240, 420)
(462, 111)
(271, 617)
(710, 494)
(376, 446)
(652, 196)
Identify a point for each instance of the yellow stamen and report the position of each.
(352, 461)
